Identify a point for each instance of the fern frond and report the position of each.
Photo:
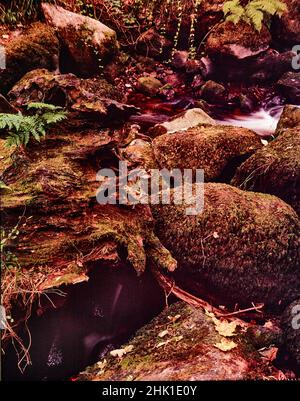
(43, 106)
(230, 7)
(53, 118)
(21, 128)
(235, 18)
(255, 15)
(254, 12)
(10, 121)
(271, 7)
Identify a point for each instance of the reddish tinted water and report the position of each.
(153, 111)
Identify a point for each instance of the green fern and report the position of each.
(21, 128)
(254, 13)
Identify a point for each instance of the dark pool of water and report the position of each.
(97, 316)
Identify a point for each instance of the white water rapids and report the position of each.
(264, 122)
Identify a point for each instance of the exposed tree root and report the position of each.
(170, 287)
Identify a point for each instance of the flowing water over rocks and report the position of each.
(206, 95)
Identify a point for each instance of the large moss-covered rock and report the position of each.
(290, 118)
(61, 89)
(244, 247)
(182, 343)
(38, 47)
(216, 149)
(275, 169)
(238, 41)
(287, 28)
(87, 44)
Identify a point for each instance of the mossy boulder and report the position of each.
(38, 47)
(91, 98)
(60, 89)
(286, 29)
(182, 343)
(290, 324)
(149, 85)
(290, 118)
(237, 41)
(87, 44)
(243, 248)
(139, 153)
(275, 169)
(218, 150)
(289, 86)
(213, 92)
(152, 44)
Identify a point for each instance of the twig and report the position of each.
(168, 284)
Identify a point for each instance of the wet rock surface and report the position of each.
(275, 169)
(242, 250)
(215, 149)
(182, 344)
(238, 41)
(98, 43)
(290, 118)
(182, 122)
(243, 247)
(37, 47)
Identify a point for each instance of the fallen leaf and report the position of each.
(225, 345)
(118, 353)
(162, 343)
(128, 348)
(174, 319)
(164, 333)
(223, 327)
(101, 364)
(122, 351)
(226, 329)
(269, 354)
(269, 324)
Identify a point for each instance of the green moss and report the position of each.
(186, 352)
(275, 169)
(244, 247)
(211, 148)
(37, 48)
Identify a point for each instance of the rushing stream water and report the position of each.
(154, 111)
(264, 122)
